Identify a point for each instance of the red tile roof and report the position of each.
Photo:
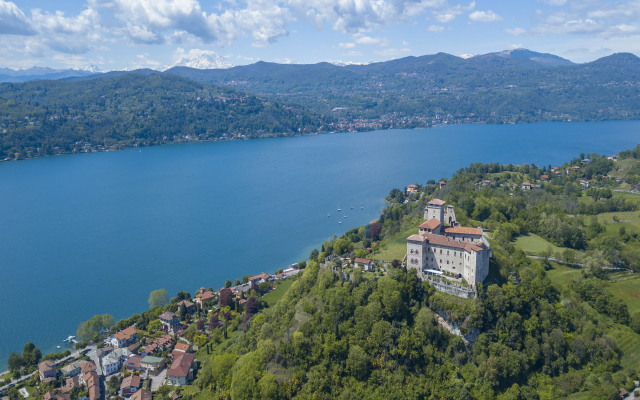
(88, 367)
(204, 296)
(142, 394)
(125, 334)
(130, 381)
(416, 238)
(441, 240)
(463, 230)
(431, 224)
(182, 347)
(181, 365)
(258, 277)
(362, 261)
(436, 202)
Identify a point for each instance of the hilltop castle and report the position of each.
(442, 245)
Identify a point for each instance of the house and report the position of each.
(142, 394)
(431, 226)
(544, 177)
(287, 273)
(363, 263)
(133, 363)
(412, 189)
(259, 278)
(203, 297)
(169, 321)
(585, 161)
(152, 363)
(584, 184)
(182, 347)
(618, 180)
(442, 184)
(88, 366)
(181, 371)
(70, 383)
(165, 342)
(623, 393)
(526, 186)
(52, 396)
(47, 371)
(191, 307)
(130, 385)
(73, 369)
(91, 382)
(124, 337)
(115, 360)
(100, 353)
(575, 168)
(613, 158)
(558, 173)
(486, 182)
(134, 348)
(151, 349)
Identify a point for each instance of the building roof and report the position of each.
(182, 347)
(544, 176)
(125, 334)
(416, 238)
(463, 230)
(151, 360)
(526, 184)
(94, 393)
(88, 367)
(362, 261)
(70, 384)
(152, 348)
(168, 316)
(204, 296)
(436, 202)
(181, 365)
(47, 366)
(431, 224)
(130, 381)
(258, 277)
(133, 362)
(440, 240)
(186, 303)
(142, 394)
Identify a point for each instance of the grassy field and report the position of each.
(534, 244)
(561, 274)
(273, 297)
(627, 286)
(396, 247)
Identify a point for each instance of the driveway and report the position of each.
(156, 381)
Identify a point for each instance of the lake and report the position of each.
(94, 233)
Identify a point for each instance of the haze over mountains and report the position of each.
(522, 58)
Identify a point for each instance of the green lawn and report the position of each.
(534, 244)
(273, 297)
(629, 290)
(629, 196)
(561, 274)
(629, 343)
(395, 248)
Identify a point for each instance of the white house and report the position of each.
(124, 338)
(115, 360)
(363, 263)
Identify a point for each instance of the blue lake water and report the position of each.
(95, 233)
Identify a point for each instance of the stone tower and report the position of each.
(435, 209)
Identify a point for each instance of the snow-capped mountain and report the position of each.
(90, 68)
(347, 63)
(203, 61)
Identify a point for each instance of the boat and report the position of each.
(70, 339)
(345, 216)
(361, 208)
(58, 346)
(352, 208)
(339, 207)
(340, 222)
(328, 215)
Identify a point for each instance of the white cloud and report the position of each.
(13, 21)
(435, 28)
(450, 13)
(352, 53)
(485, 16)
(516, 31)
(405, 43)
(368, 40)
(346, 45)
(392, 52)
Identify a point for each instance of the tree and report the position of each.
(227, 283)
(182, 312)
(375, 230)
(158, 298)
(15, 362)
(225, 297)
(251, 306)
(200, 325)
(314, 255)
(358, 362)
(237, 282)
(154, 326)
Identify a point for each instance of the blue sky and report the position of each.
(118, 34)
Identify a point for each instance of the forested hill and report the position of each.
(490, 88)
(49, 117)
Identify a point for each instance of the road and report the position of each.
(156, 381)
(576, 264)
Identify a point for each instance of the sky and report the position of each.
(119, 34)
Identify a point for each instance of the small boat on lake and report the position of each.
(339, 207)
(328, 215)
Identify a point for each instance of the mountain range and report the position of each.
(518, 58)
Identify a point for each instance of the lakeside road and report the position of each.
(23, 378)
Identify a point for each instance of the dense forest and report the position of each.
(50, 117)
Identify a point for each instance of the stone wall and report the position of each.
(452, 289)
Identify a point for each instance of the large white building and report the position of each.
(113, 361)
(450, 248)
